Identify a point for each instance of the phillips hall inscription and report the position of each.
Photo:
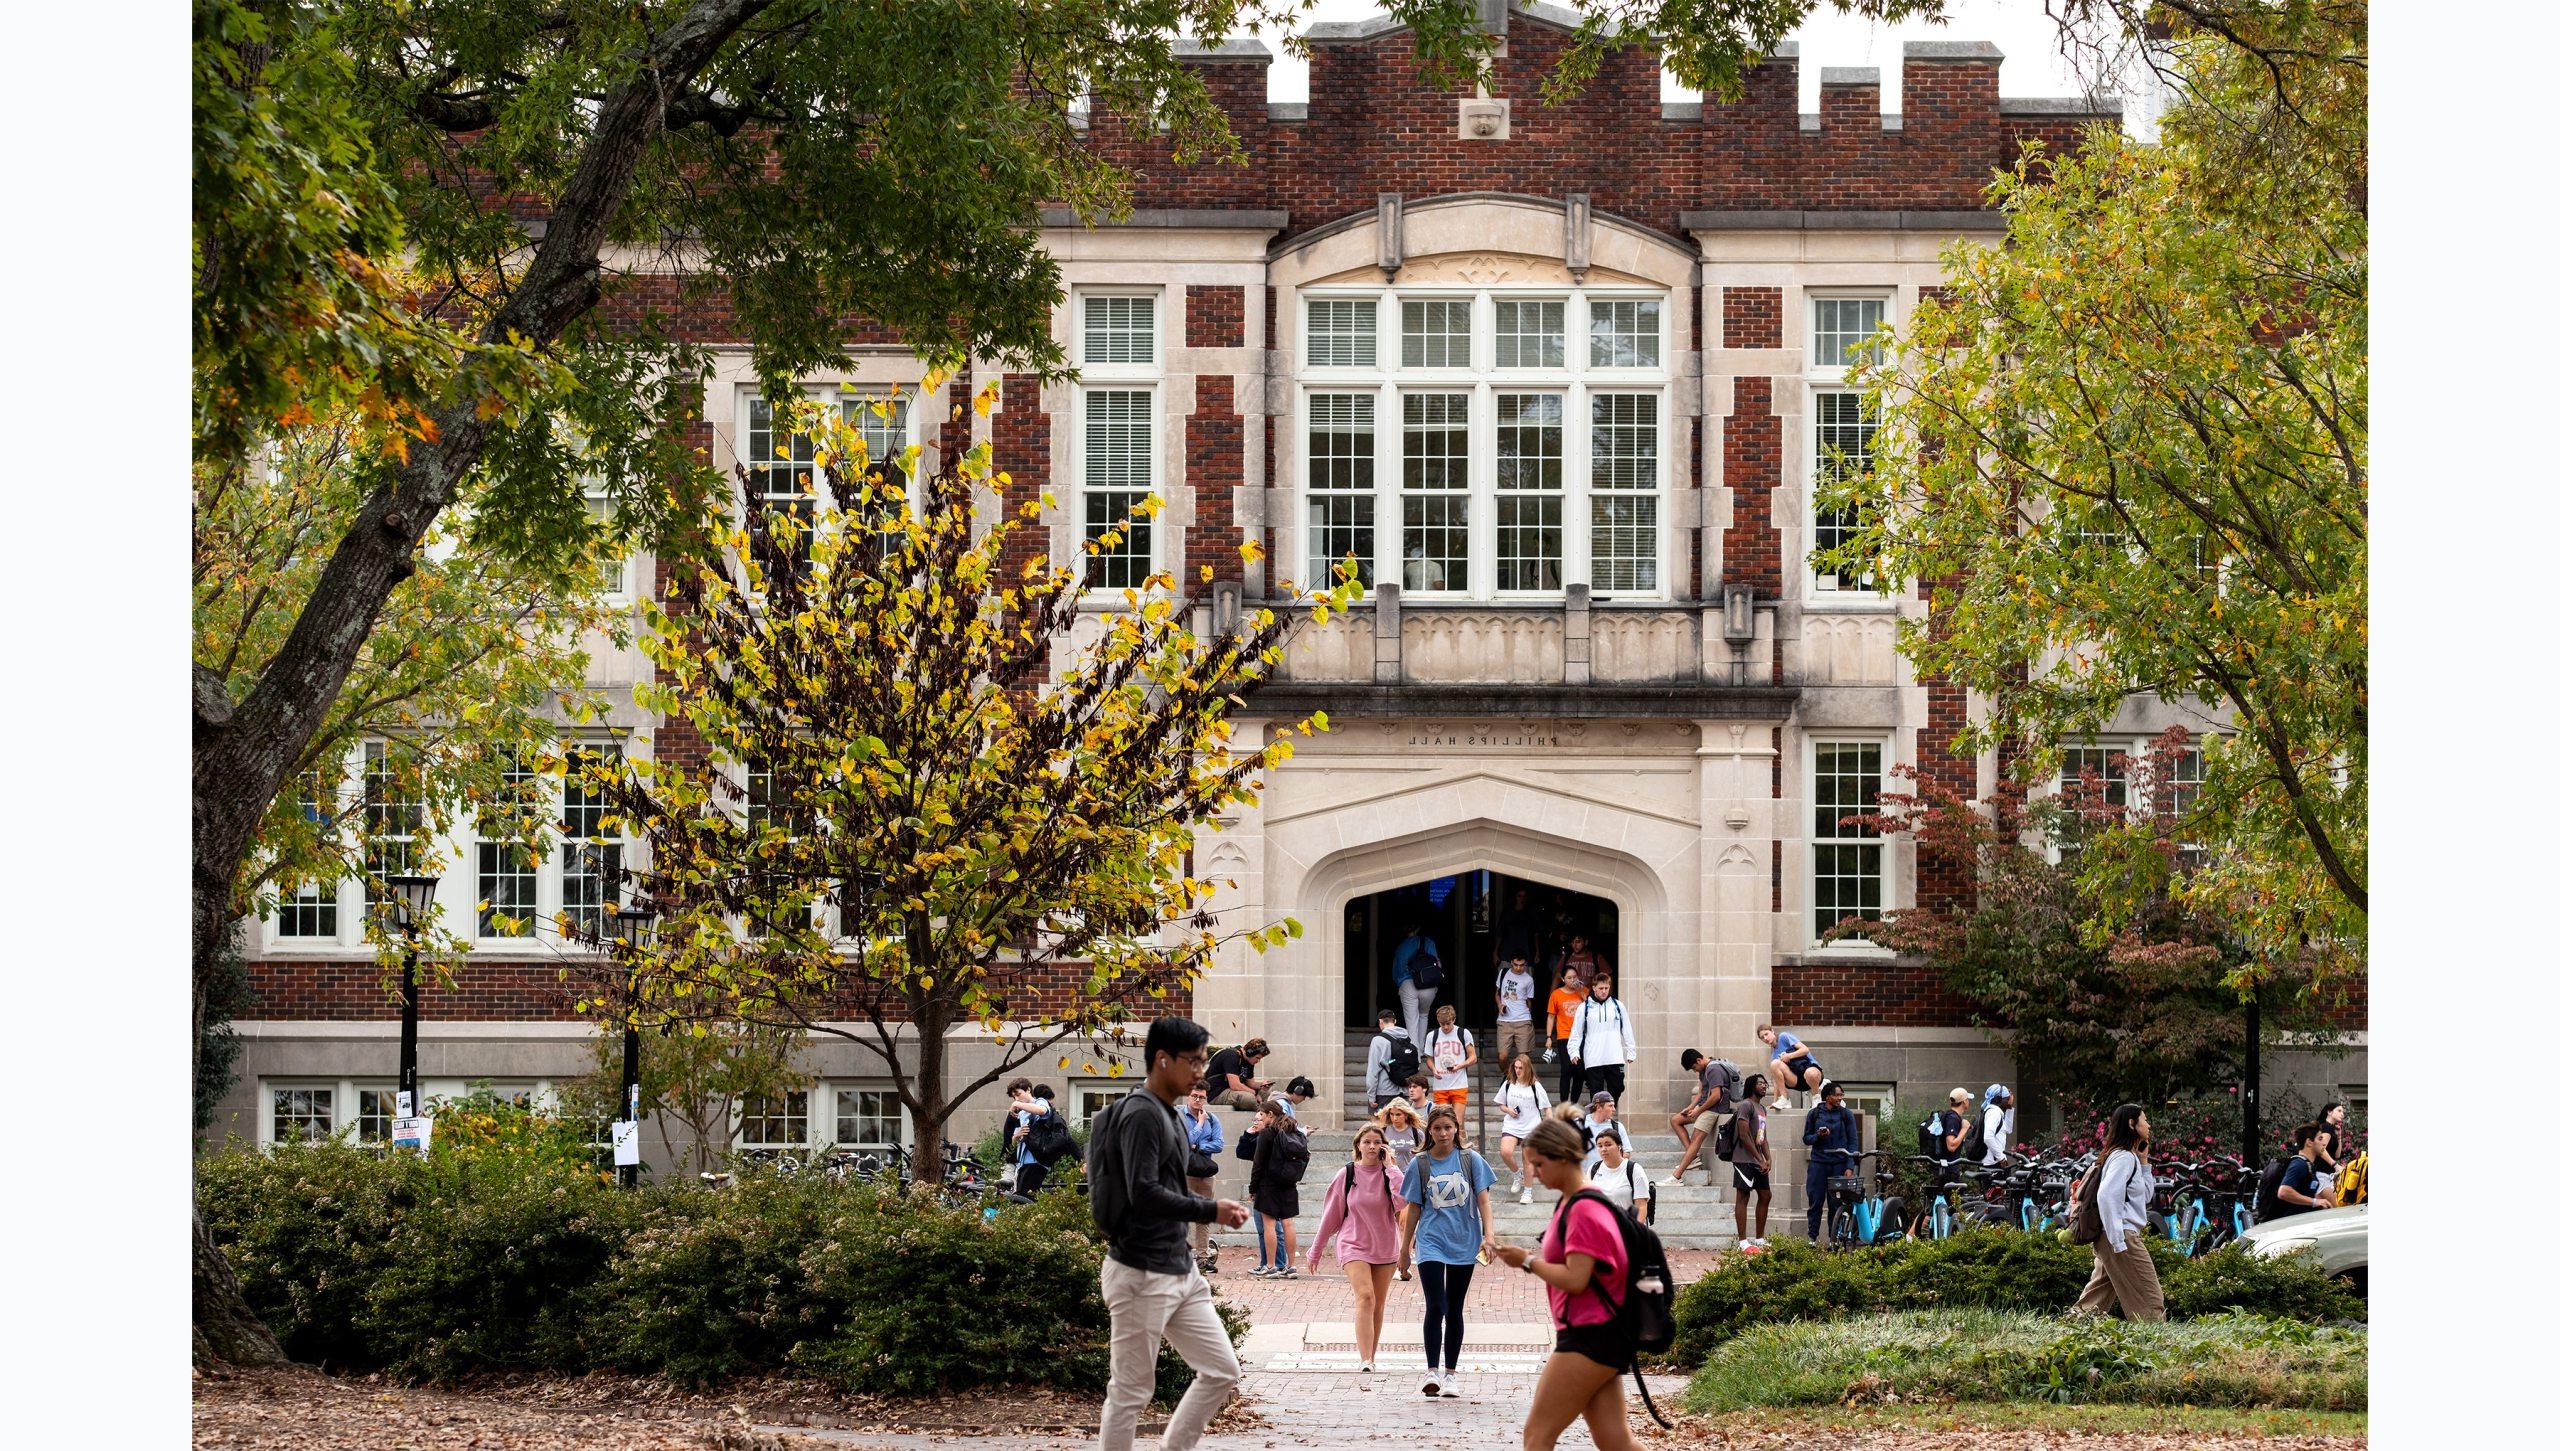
(1484, 738)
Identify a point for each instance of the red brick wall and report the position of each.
(1021, 448)
(1213, 447)
(1751, 471)
(491, 992)
(1865, 994)
(1373, 125)
(1213, 317)
(1754, 316)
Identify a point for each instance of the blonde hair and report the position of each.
(1567, 1112)
(1403, 1106)
(1556, 1140)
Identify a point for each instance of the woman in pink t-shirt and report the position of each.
(1361, 1205)
(1583, 1255)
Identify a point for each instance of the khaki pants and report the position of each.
(1206, 1189)
(1149, 1310)
(1243, 1100)
(1510, 1038)
(2123, 1279)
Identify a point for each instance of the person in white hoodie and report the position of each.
(1603, 1042)
(1383, 1084)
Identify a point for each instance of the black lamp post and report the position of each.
(413, 897)
(633, 926)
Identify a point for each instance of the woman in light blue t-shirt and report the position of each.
(1448, 1208)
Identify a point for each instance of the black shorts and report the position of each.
(1607, 1342)
(1750, 1180)
(1277, 1203)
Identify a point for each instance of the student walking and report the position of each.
(1603, 1115)
(1562, 1005)
(2109, 1219)
(1451, 1051)
(1619, 1177)
(1791, 1064)
(1045, 1140)
(1583, 1259)
(1402, 1126)
(1417, 971)
(1207, 1136)
(1360, 1207)
(1448, 1211)
(1751, 1163)
(1710, 1101)
(1394, 1059)
(1513, 992)
(1999, 1121)
(2297, 1184)
(1154, 1294)
(1523, 1101)
(1603, 1041)
(1943, 1135)
(1831, 1141)
(1279, 1162)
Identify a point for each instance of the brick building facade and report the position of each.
(1562, 377)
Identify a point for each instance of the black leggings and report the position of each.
(1444, 1311)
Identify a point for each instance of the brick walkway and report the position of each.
(1303, 1386)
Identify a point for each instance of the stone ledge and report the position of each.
(1536, 702)
(1782, 220)
(1197, 218)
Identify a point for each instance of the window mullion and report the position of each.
(1482, 425)
(1577, 483)
(1390, 446)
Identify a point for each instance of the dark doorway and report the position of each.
(1474, 917)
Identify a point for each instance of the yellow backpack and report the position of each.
(2353, 1179)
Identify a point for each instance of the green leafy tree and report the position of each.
(938, 790)
(2125, 453)
(2104, 1006)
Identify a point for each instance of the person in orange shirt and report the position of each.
(1562, 1004)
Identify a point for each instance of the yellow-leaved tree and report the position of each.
(940, 782)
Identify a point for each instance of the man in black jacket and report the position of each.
(1143, 1204)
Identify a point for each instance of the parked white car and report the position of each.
(2335, 1238)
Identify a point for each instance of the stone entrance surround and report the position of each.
(1672, 821)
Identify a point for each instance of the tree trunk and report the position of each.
(227, 1331)
(931, 1050)
(242, 750)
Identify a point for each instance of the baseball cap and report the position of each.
(1604, 1096)
(1960, 1092)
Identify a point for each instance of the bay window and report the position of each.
(1469, 445)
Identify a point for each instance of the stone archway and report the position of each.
(1316, 859)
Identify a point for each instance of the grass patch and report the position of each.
(2084, 1420)
(1944, 1357)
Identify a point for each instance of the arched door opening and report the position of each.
(1478, 919)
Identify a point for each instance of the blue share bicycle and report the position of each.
(1858, 1217)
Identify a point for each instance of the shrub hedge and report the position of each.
(503, 1260)
(1998, 1269)
(1940, 1356)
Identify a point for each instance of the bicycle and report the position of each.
(2209, 1206)
(1857, 1218)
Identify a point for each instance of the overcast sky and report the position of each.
(2032, 65)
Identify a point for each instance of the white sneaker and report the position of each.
(1367, 1368)
(1524, 1194)
(1778, 1105)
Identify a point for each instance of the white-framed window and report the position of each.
(2109, 764)
(507, 858)
(1840, 324)
(1439, 332)
(1342, 484)
(1473, 444)
(1847, 858)
(869, 1118)
(376, 1106)
(781, 466)
(587, 885)
(1084, 1100)
(395, 819)
(301, 1113)
(2186, 784)
(1626, 332)
(310, 909)
(1843, 435)
(777, 1122)
(1120, 361)
(1119, 472)
(621, 567)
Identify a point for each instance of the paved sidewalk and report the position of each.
(1303, 1385)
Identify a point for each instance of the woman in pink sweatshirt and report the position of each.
(1361, 1207)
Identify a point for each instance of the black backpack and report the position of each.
(1646, 1315)
(1049, 1140)
(1724, 1137)
(1974, 1146)
(1426, 970)
(1404, 1061)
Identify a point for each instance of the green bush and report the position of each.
(495, 1259)
(1941, 1356)
(1996, 1269)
